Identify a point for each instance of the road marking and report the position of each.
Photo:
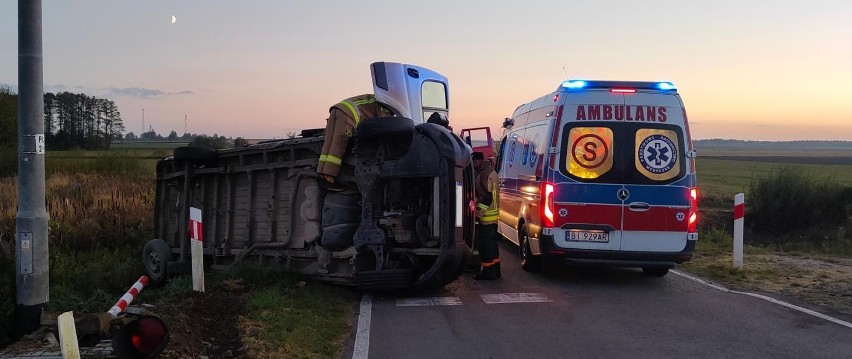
(515, 298)
(362, 337)
(768, 299)
(428, 302)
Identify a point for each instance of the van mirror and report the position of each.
(691, 154)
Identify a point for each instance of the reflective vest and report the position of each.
(486, 186)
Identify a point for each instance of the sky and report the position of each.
(751, 70)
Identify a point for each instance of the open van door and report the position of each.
(415, 92)
(479, 139)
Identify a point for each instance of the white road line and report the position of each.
(515, 298)
(768, 299)
(428, 302)
(362, 337)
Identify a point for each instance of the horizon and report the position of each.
(764, 72)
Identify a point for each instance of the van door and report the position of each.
(416, 92)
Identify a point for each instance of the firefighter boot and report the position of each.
(487, 273)
(497, 271)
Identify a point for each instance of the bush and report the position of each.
(7, 289)
(790, 199)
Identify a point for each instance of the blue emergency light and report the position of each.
(574, 84)
(620, 85)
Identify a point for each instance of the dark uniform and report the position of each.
(487, 200)
(343, 118)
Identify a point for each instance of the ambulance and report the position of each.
(600, 173)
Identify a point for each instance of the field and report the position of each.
(101, 214)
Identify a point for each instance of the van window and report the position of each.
(433, 98)
(607, 152)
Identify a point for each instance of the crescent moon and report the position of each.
(174, 19)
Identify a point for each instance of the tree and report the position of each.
(130, 136)
(240, 142)
(172, 136)
(8, 118)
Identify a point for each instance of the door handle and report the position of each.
(639, 206)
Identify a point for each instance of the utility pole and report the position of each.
(184, 123)
(143, 120)
(31, 261)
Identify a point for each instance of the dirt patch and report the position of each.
(208, 326)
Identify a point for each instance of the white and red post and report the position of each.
(196, 245)
(739, 213)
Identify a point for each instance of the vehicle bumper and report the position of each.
(616, 258)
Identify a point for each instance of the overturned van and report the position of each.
(403, 224)
(602, 173)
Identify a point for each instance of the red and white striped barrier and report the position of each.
(128, 297)
(196, 244)
(739, 213)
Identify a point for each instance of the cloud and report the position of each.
(109, 92)
(148, 94)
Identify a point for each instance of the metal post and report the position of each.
(739, 213)
(31, 261)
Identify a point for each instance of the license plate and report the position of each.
(587, 236)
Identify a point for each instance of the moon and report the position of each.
(174, 19)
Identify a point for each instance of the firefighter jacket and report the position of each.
(362, 107)
(487, 194)
(341, 124)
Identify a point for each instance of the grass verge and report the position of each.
(256, 313)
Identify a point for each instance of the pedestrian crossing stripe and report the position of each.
(515, 298)
(428, 302)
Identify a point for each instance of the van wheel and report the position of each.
(529, 262)
(655, 272)
(156, 256)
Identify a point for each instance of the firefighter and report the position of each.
(343, 118)
(487, 212)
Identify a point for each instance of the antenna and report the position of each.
(565, 71)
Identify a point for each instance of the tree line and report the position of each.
(70, 121)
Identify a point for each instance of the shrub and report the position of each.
(791, 199)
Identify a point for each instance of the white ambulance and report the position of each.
(601, 173)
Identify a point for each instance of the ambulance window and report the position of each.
(499, 159)
(657, 155)
(588, 152)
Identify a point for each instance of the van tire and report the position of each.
(655, 272)
(156, 256)
(384, 128)
(529, 262)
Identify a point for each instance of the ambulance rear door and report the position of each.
(587, 179)
(657, 186)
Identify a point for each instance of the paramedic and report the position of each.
(487, 198)
(343, 118)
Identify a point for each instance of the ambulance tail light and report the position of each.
(693, 210)
(548, 192)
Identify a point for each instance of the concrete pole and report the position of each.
(31, 261)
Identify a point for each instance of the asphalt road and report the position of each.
(593, 313)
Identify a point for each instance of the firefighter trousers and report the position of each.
(338, 129)
(489, 253)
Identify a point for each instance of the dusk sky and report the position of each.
(755, 70)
